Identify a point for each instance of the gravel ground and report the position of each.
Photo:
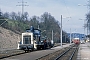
(8, 53)
(52, 56)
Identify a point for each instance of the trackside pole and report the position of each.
(61, 31)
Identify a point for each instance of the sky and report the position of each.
(69, 9)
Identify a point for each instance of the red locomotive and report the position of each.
(76, 40)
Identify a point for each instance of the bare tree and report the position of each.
(6, 15)
(13, 15)
(26, 15)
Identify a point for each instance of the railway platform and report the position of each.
(84, 51)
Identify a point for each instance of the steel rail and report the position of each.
(73, 54)
(65, 53)
(62, 54)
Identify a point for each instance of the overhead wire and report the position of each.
(69, 15)
(67, 8)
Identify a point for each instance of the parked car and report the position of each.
(82, 41)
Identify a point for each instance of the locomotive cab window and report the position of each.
(27, 39)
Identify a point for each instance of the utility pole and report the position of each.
(61, 31)
(38, 26)
(22, 5)
(84, 27)
(52, 35)
(65, 38)
(52, 42)
(0, 13)
(70, 35)
(88, 22)
(84, 30)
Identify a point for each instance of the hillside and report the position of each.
(46, 23)
(8, 39)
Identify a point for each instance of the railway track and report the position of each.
(68, 53)
(51, 56)
(4, 53)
